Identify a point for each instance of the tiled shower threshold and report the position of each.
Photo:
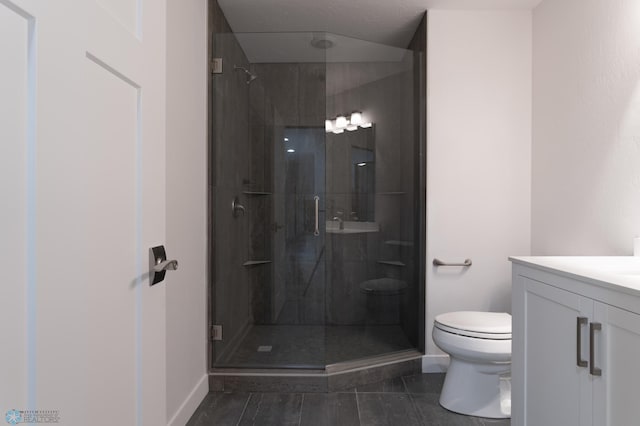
(334, 377)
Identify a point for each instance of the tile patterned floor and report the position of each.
(405, 401)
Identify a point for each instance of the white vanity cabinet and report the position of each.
(576, 342)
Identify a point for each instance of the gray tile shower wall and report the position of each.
(288, 97)
(275, 99)
(297, 92)
(311, 95)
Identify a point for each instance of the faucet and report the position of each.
(340, 222)
(338, 217)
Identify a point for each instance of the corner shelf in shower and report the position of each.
(391, 262)
(256, 262)
(256, 193)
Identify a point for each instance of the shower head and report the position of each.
(250, 75)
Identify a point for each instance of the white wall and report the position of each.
(478, 157)
(186, 207)
(15, 358)
(586, 134)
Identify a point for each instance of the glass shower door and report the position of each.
(299, 246)
(372, 201)
(268, 255)
(279, 267)
(316, 210)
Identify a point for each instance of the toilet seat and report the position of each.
(479, 325)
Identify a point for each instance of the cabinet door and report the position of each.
(617, 355)
(548, 385)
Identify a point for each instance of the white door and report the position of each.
(616, 347)
(82, 171)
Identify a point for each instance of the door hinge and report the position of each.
(215, 333)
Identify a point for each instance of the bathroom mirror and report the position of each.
(363, 173)
(351, 175)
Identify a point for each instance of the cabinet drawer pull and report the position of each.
(579, 323)
(593, 327)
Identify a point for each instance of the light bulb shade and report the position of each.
(338, 131)
(341, 122)
(356, 118)
(366, 125)
(352, 127)
(328, 126)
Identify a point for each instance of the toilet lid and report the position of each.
(485, 325)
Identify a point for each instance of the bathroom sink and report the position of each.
(351, 227)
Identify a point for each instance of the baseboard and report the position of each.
(188, 407)
(435, 363)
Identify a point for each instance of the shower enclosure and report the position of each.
(316, 200)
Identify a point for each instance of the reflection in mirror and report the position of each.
(351, 175)
(362, 184)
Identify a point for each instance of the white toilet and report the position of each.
(478, 381)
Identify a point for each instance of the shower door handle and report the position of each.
(316, 232)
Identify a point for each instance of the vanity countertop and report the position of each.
(618, 273)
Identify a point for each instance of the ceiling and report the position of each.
(298, 47)
(380, 21)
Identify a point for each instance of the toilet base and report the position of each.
(482, 390)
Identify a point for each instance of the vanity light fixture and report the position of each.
(328, 126)
(291, 150)
(342, 123)
(356, 118)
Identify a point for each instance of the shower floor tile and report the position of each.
(314, 346)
